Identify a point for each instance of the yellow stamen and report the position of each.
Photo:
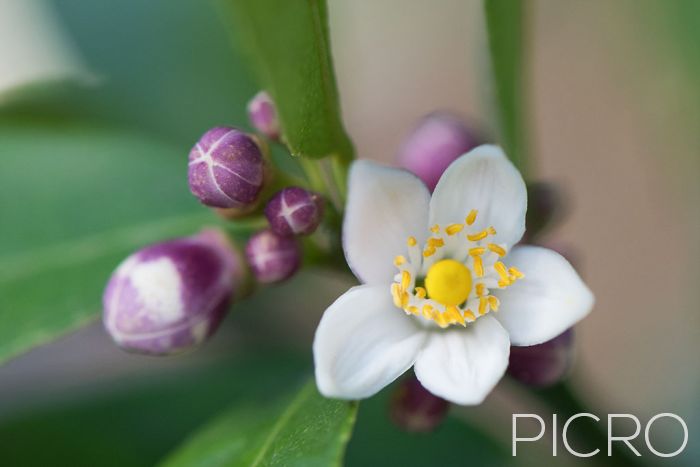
(396, 294)
(427, 312)
(471, 217)
(420, 292)
(441, 319)
(399, 260)
(516, 272)
(491, 231)
(436, 242)
(453, 229)
(483, 304)
(435, 229)
(478, 266)
(502, 271)
(494, 303)
(412, 309)
(477, 251)
(411, 241)
(469, 316)
(455, 315)
(503, 283)
(499, 250)
(480, 289)
(428, 252)
(405, 280)
(478, 236)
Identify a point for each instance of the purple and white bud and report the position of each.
(171, 296)
(544, 364)
(226, 169)
(263, 115)
(415, 409)
(294, 211)
(437, 140)
(272, 257)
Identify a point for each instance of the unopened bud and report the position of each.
(545, 207)
(543, 364)
(272, 257)
(226, 169)
(171, 296)
(263, 115)
(414, 408)
(294, 211)
(437, 140)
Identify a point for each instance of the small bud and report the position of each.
(545, 207)
(272, 257)
(437, 140)
(415, 409)
(226, 169)
(294, 211)
(543, 364)
(263, 115)
(171, 296)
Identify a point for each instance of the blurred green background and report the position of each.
(615, 115)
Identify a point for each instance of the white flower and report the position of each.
(443, 290)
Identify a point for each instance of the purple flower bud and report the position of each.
(546, 206)
(226, 169)
(434, 144)
(171, 296)
(414, 408)
(272, 257)
(263, 115)
(294, 211)
(543, 364)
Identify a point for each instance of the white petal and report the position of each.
(485, 180)
(363, 343)
(463, 365)
(385, 206)
(550, 299)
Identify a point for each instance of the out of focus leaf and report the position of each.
(505, 24)
(74, 200)
(307, 430)
(135, 423)
(289, 48)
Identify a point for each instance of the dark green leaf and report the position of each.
(306, 431)
(74, 200)
(505, 24)
(288, 45)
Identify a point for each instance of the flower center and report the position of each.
(448, 282)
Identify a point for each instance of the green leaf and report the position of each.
(505, 24)
(288, 46)
(306, 431)
(75, 199)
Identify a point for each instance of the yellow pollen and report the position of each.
(405, 280)
(499, 250)
(399, 260)
(491, 231)
(478, 236)
(413, 310)
(483, 303)
(516, 272)
(453, 229)
(411, 241)
(441, 319)
(430, 251)
(503, 283)
(436, 242)
(478, 266)
(435, 229)
(494, 303)
(448, 282)
(455, 315)
(428, 312)
(480, 289)
(420, 292)
(396, 294)
(471, 217)
(469, 316)
(477, 251)
(502, 271)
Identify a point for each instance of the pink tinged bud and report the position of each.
(414, 408)
(226, 169)
(294, 211)
(263, 115)
(171, 296)
(272, 257)
(543, 364)
(433, 145)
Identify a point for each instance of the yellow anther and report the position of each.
(478, 236)
(516, 272)
(502, 271)
(412, 309)
(471, 217)
(420, 292)
(405, 280)
(404, 299)
(453, 229)
(499, 250)
(411, 241)
(483, 305)
(503, 283)
(429, 251)
(480, 289)
(399, 260)
(441, 319)
(478, 266)
(477, 251)
(436, 242)
(428, 312)
(469, 316)
(491, 231)
(455, 315)
(448, 282)
(435, 229)
(396, 294)
(494, 303)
